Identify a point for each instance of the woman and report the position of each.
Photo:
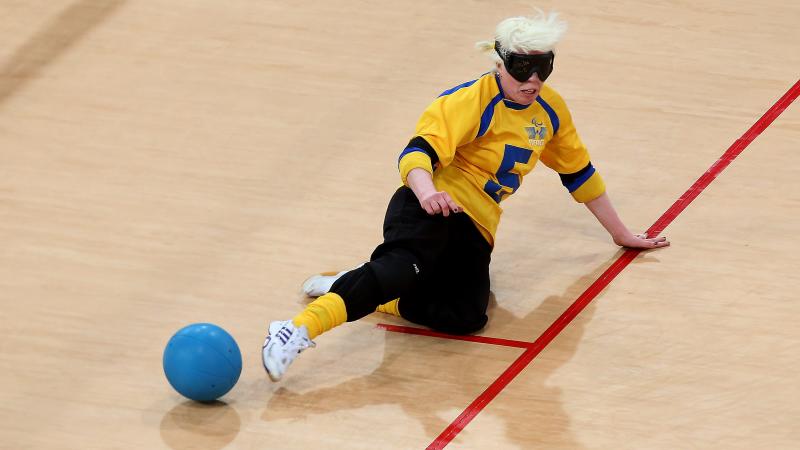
(471, 148)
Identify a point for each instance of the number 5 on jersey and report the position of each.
(508, 175)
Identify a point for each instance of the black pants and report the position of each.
(438, 266)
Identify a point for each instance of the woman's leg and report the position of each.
(455, 298)
(412, 243)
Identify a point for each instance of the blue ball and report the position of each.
(202, 362)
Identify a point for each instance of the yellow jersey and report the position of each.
(478, 145)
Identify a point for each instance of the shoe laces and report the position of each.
(294, 339)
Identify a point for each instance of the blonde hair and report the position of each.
(540, 32)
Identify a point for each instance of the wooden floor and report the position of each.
(163, 163)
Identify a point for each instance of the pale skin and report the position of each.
(439, 202)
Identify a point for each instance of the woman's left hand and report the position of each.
(641, 241)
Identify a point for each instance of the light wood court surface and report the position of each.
(163, 163)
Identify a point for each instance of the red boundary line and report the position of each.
(533, 349)
(481, 339)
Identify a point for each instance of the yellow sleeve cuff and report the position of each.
(414, 160)
(591, 189)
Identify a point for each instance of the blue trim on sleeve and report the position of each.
(419, 142)
(408, 150)
(572, 181)
(550, 112)
(488, 113)
(460, 86)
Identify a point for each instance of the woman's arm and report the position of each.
(602, 208)
(434, 202)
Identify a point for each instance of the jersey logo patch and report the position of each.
(536, 133)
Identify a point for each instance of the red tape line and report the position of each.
(537, 346)
(481, 339)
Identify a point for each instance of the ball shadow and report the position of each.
(211, 425)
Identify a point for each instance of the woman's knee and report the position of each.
(459, 324)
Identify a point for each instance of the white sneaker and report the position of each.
(320, 284)
(284, 342)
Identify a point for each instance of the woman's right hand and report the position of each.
(439, 202)
(432, 201)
